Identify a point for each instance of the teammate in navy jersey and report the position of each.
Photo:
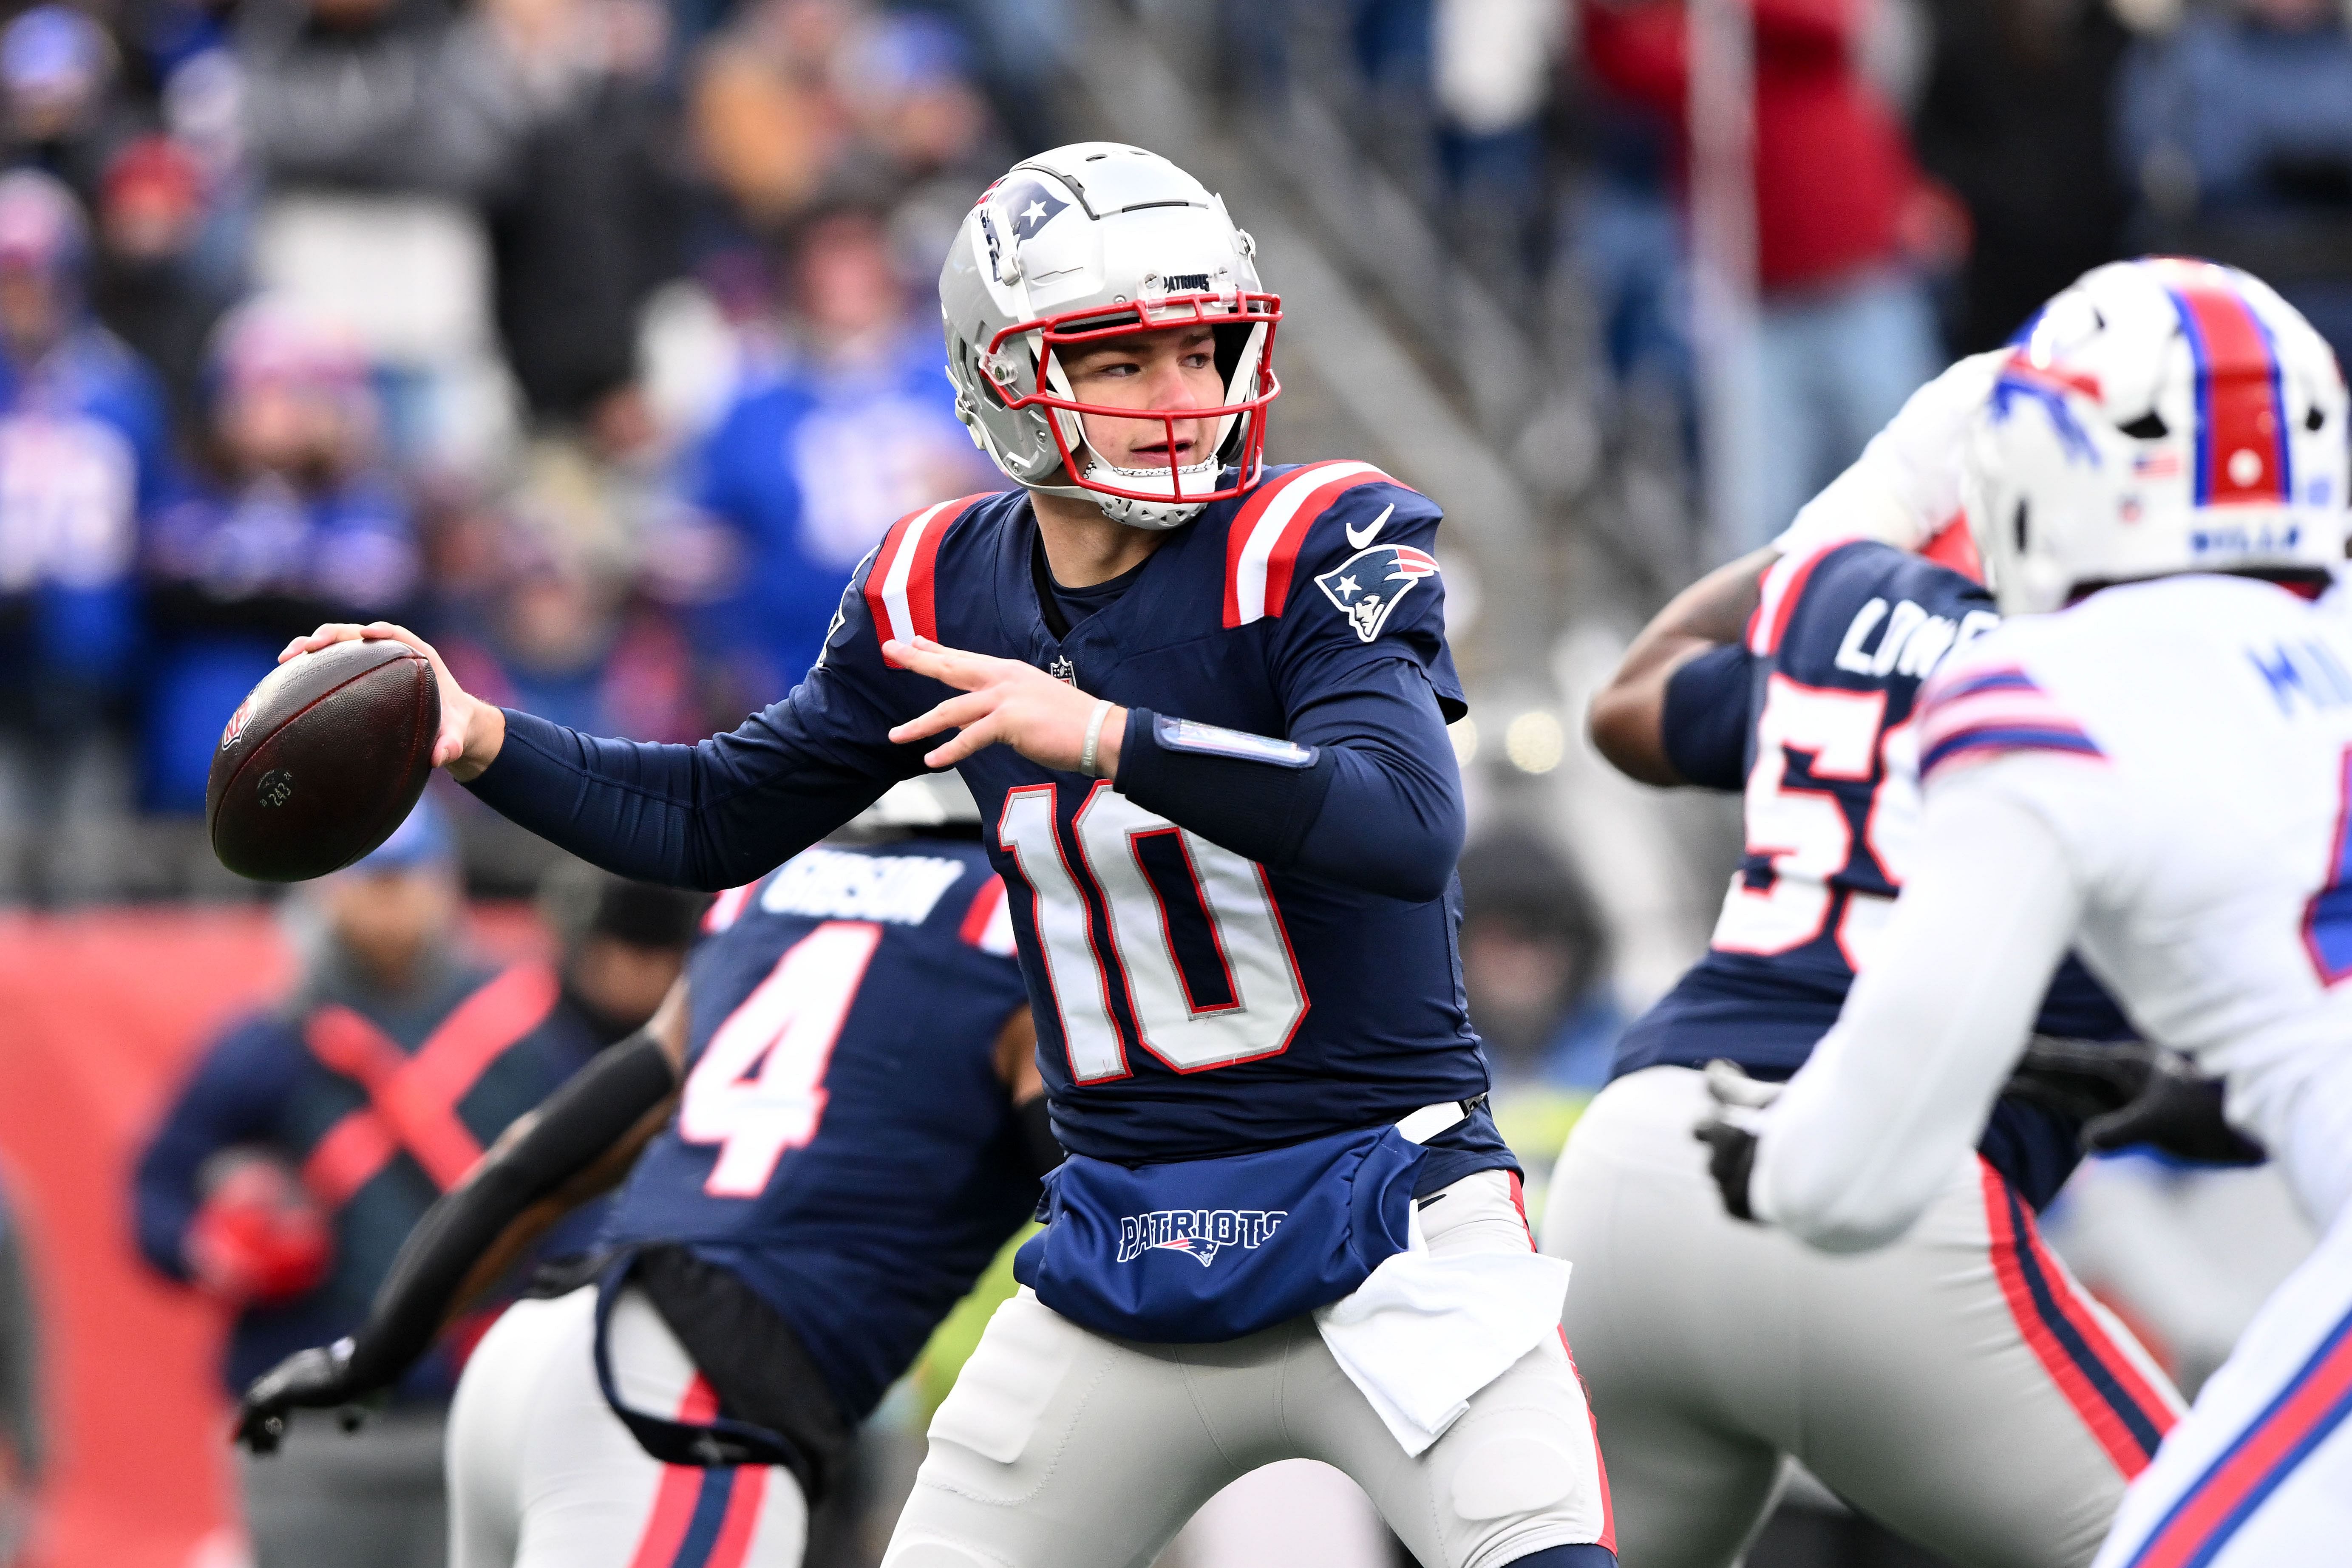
(1202, 704)
(1958, 1387)
(858, 1128)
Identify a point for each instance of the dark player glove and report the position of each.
(2129, 1094)
(315, 1379)
(1729, 1133)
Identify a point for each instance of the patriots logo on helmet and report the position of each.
(1031, 207)
(1367, 586)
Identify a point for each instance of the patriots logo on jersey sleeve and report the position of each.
(1367, 586)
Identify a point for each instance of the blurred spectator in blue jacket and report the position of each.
(83, 457)
(57, 70)
(852, 430)
(2237, 134)
(288, 523)
(562, 639)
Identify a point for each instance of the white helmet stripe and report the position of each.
(1291, 493)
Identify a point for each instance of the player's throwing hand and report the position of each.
(471, 730)
(1048, 721)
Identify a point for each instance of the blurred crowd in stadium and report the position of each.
(593, 338)
(522, 322)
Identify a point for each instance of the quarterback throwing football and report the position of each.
(1202, 704)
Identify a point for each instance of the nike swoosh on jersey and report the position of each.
(1359, 540)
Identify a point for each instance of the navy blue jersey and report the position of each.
(844, 1143)
(1811, 717)
(1191, 1002)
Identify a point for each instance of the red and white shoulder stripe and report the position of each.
(899, 586)
(1784, 587)
(1263, 541)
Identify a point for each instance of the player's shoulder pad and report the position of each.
(1791, 579)
(1987, 702)
(1868, 610)
(1301, 522)
(900, 582)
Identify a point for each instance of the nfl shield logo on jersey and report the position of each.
(1368, 585)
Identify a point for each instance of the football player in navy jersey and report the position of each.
(841, 1123)
(1960, 1387)
(1201, 702)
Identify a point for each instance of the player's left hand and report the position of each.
(1729, 1132)
(1005, 701)
(2179, 1112)
(315, 1379)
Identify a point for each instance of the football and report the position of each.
(322, 760)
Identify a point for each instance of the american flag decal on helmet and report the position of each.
(1368, 585)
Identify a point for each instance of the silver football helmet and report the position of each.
(1088, 242)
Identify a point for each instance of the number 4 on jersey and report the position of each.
(759, 1088)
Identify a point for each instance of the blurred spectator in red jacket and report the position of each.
(150, 286)
(1847, 331)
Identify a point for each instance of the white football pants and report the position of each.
(1958, 1385)
(543, 1475)
(1063, 1449)
(2260, 1475)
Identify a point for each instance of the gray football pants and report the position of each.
(1063, 1449)
(1959, 1387)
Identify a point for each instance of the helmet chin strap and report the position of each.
(1152, 515)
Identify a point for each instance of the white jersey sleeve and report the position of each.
(2185, 746)
(1869, 1131)
(1906, 486)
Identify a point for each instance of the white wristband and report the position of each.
(1094, 737)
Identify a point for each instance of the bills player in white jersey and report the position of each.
(2151, 763)
(1960, 1387)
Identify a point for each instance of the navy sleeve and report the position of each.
(725, 810)
(233, 1098)
(1710, 701)
(1370, 796)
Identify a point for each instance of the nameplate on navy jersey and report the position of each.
(899, 889)
(1210, 740)
(1368, 586)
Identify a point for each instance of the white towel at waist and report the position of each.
(1436, 1323)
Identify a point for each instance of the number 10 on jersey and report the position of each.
(1232, 993)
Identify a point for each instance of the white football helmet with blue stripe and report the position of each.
(2158, 416)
